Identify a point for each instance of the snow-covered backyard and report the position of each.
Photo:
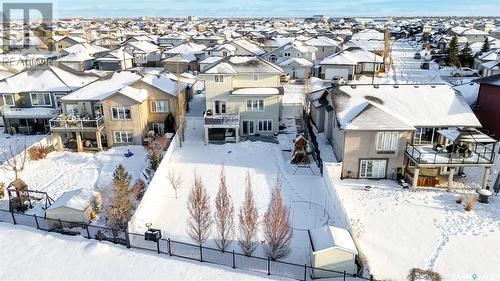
(29, 254)
(17, 142)
(398, 230)
(304, 191)
(61, 172)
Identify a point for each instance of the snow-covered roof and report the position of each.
(44, 79)
(352, 56)
(32, 112)
(242, 64)
(330, 236)
(102, 89)
(296, 61)
(138, 95)
(78, 199)
(185, 48)
(413, 105)
(469, 91)
(144, 47)
(251, 47)
(162, 82)
(256, 92)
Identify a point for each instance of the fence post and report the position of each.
(305, 272)
(201, 254)
(344, 275)
(169, 247)
(127, 238)
(61, 225)
(114, 235)
(234, 261)
(268, 266)
(36, 221)
(13, 218)
(158, 245)
(88, 232)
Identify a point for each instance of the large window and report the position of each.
(159, 106)
(219, 79)
(123, 137)
(265, 125)
(72, 109)
(40, 99)
(374, 169)
(425, 136)
(255, 105)
(387, 141)
(121, 113)
(220, 107)
(8, 100)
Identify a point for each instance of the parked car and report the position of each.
(464, 72)
(417, 56)
(424, 65)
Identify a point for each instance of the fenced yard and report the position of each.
(166, 246)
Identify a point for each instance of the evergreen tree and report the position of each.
(154, 161)
(486, 45)
(121, 176)
(453, 51)
(466, 57)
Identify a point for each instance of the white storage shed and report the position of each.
(72, 206)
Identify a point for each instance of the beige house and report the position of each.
(123, 109)
(243, 97)
(424, 133)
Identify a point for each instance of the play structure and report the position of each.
(21, 198)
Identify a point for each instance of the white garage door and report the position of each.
(331, 73)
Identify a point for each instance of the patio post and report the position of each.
(415, 179)
(450, 178)
(206, 135)
(237, 134)
(60, 146)
(79, 143)
(98, 139)
(486, 177)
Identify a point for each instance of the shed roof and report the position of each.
(330, 236)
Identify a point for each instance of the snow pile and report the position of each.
(398, 230)
(50, 256)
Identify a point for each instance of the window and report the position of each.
(159, 106)
(387, 141)
(219, 79)
(72, 109)
(123, 137)
(158, 128)
(265, 125)
(8, 100)
(286, 54)
(224, 54)
(424, 136)
(40, 99)
(273, 58)
(121, 113)
(374, 169)
(255, 77)
(220, 107)
(255, 105)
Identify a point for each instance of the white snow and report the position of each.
(29, 254)
(17, 143)
(398, 230)
(77, 199)
(255, 92)
(66, 171)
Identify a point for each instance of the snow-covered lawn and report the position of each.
(29, 254)
(264, 162)
(398, 230)
(61, 172)
(17, 143)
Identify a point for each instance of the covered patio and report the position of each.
(462, 147)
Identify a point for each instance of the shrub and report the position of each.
(470, 203)
(139, 188)
(38, 152)
(2, 190)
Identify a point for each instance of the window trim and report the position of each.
(252, 107)
(40, 93)
(264, 120)
(124, 108)
(387, 141)
(153, 109)
(214, 107)
(121, 138)
(218, 78)
(5, 101)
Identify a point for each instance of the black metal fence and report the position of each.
(174, 248)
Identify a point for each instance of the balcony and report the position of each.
(452, 155)
(222, 121)
(75, 124)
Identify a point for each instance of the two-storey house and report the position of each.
(243, 97)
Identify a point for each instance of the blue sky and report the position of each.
(229, 8)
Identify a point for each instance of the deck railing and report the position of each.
(76, 124)
(481, 154)
(222, 120)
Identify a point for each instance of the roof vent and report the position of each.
(353, 86)
(396, 86)
(433, 86)
(416, 86)
(375, 86)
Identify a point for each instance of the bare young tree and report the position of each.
(199, 221)
(248, 217)
(278, 231)
(181, 108)
(224, 214)
(175, 180)
(14, 158)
